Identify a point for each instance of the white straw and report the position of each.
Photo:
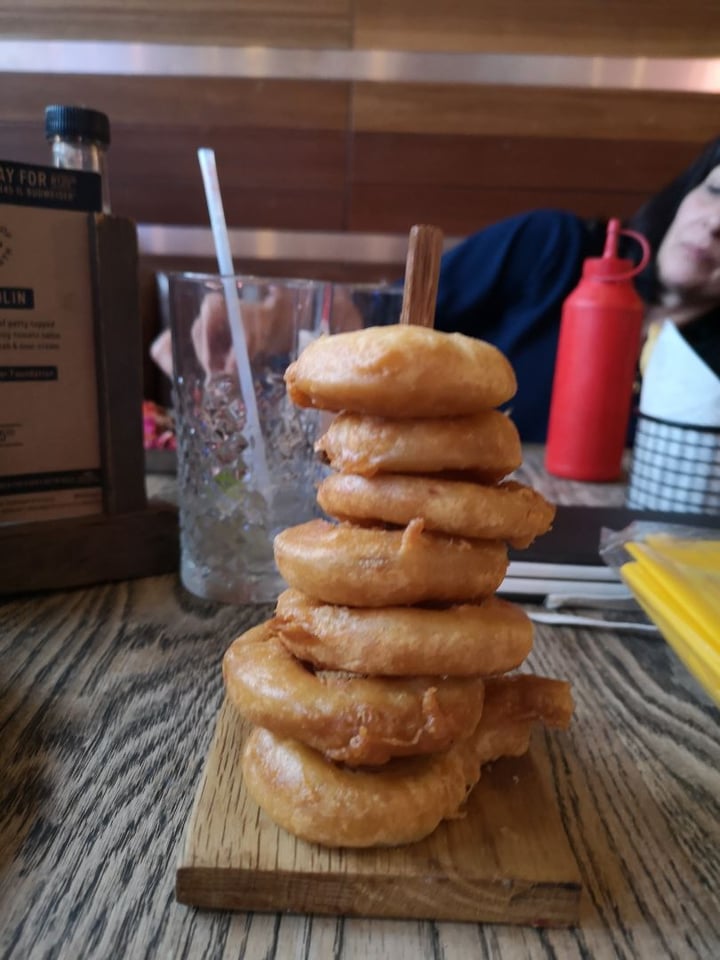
(213, 197)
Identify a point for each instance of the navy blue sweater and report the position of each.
(506, 284)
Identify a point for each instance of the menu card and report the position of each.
(50, 461)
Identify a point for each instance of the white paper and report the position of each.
(678, 385)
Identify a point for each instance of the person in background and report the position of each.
(507, 283)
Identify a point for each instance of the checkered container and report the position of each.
(675, 467)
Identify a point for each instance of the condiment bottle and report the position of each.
(600, 332)
(79, 138)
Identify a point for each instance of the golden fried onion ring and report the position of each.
(406, 800)
(509, 511)
(353, 719)
(484, 447)
(462, 640)
(372, 567)
(401, 371)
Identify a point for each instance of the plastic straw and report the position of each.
(206, 156)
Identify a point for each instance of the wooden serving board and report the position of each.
(507, 861)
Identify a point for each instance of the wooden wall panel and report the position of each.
(270, 178)
(573, 163)
(288, 180)
(597, 27)
(464, 183)
(289, 158)
(274, 23)
(534, 111)
(281, 146)
(461, 210)
(462, 156)
(166, 101)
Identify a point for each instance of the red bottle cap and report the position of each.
(609, 266)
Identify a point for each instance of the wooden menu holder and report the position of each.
(131, 538)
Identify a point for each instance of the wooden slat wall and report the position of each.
(536, 111)
(376, 157)
(273, 23)
(603, 27)
(462, 157)
(281, 147)
(596, 27)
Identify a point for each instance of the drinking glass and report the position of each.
(228, 517)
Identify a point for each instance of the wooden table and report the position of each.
(109, 697)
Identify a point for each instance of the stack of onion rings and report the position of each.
(381, 685)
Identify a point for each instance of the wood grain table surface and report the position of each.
(108, 698)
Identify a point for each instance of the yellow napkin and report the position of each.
(677, 582)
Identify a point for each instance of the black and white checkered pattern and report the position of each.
(675, 467)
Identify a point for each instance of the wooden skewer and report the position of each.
(422, 269)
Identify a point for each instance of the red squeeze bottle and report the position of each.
(600, 331)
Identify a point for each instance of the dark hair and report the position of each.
(655, 216)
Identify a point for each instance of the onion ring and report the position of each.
(509, 511)
(526, 696)
(484, 447)
(463, 640)
(401, 371)
(405, 801)
(372, 567)
(353, 719)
